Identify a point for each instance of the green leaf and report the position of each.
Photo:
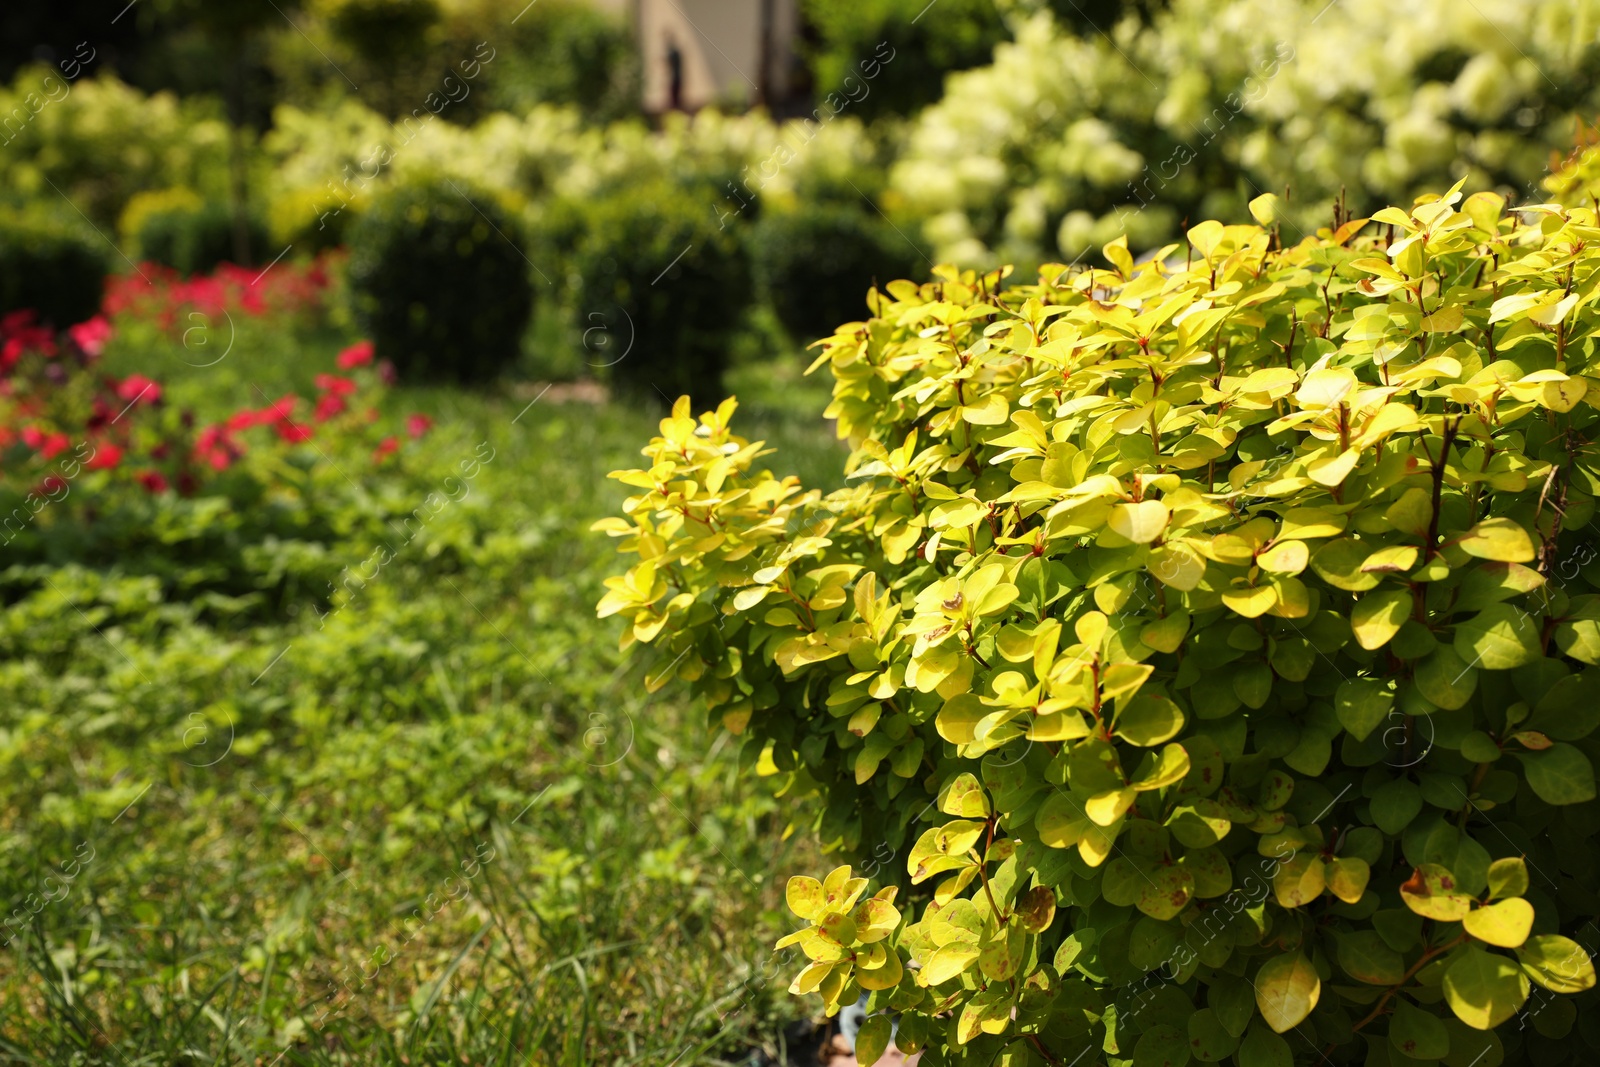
(1505, 924)
(1484, 989)
(958, 719)
(1561, 774)
(1166, 892)
(872, 1040)
(1263, 1048)
(1366, 958)
(1378, 616)
(1361, 704)
(1433, 893)
(1412, 513)
(1299, 880)
(1499, 539)
(1339, 564)
(1498, 638)
(1149, 719)
(1209, 1040)
(1445, 678)
(1579, 639)
(1233, 1002)
(1348, 877)
(1472, 1048)
(1395, 804)
(1199, 824)
(1160, 769)
(1161, 1046)
(1287, 988)
(1036, 909)
(1508, 877)
(1140, 523)
(1417, 1033)
(1569, 709)
(964, 796)
(1558, 963)
(949, 961)
(805, 896)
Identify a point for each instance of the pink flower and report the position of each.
(417, 425)
(153, 481)
(245, 419)
(106, 457)
(387, 447)
(91, 336)
(357, 355)
(332, 383)
(329, 405)
(137, 389)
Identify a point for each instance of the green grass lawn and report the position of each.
(431, 817)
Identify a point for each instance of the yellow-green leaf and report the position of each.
(1506, 924)
(1287, 988)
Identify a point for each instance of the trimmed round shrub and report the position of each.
(53, 265)
(179, 229)
(661, 288)
(815, 265)
(1205, 662)
(440, 280)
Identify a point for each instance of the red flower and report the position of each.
(357, 355)
(387, 447)
(417, 425)
(137, 389)
(216, 447)
(329, 405)
(245, 419)
(46, 444)
(153, 481)
(281, 408)
(293, 432)
(332, 383)
(91, 336)
(16, 320)
(106, 457)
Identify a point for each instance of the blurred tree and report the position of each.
(391, 38)
(922, 42)
(236, 31)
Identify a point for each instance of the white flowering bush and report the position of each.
(1065, 142)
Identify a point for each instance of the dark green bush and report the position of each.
(440, 280)
(898, 51)
(53, 265)
(660, 290)
(194, 239)
(814, 266)
(559, 52)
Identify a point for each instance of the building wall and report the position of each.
(721, 48)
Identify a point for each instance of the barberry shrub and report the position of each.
(440, 280)
(1202, 664)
